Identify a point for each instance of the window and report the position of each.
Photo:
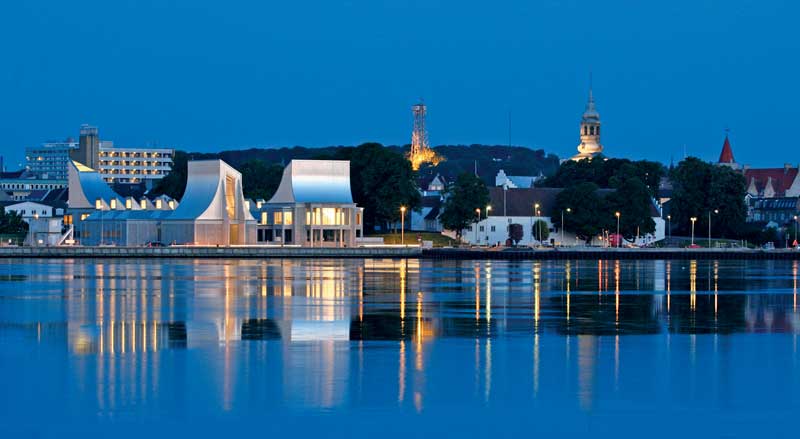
(492, 228)
(287, 235)
(287, 218)
(158, 204)
(277, 217)
(480, 229)
(98, 204)
(128, 203)
(143, 204)
(469, 228)
(263, 217)
(67, 220)
(113, 203)
(83, 216)
(358, 219)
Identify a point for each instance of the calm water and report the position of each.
(398, 348)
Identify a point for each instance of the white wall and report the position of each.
(500, 232)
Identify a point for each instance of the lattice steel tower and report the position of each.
(421, 151)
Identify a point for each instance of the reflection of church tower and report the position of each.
(590, 132)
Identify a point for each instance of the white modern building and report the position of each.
(213, 210)
(517, 206)
(313, 206)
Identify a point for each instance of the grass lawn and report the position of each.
(438, 239)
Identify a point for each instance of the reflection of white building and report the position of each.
(313, 206)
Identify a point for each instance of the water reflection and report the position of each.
(328, 333)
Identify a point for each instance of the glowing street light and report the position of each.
(716, 211)
(669, 227)
(536, 218)
(562, 224)
(478, 211)
(488, 209)
(619, 241)
(694, 218)
(403, 225)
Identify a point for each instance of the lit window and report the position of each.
(143, 203)
(287, 218)
(158, 204)
(263, 217)
(113, 204)
(98, 204)
(128, 203)
(278, 217)
(83, 216)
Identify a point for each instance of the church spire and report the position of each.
(589, 129)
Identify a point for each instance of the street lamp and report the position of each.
(669, 228)
(488, 208)
(403, 225)
(716, 211)
(98, 204)
(619, 241)
(694, 218)
(562, 225)
(478, 211)
(795, 229)
(535, 224)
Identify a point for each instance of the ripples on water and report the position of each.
(426, 347)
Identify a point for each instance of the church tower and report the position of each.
(590, 132)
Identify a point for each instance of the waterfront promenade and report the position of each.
(585, 253)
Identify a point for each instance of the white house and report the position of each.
(517, 206)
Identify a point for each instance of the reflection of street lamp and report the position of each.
(619, 241)
(694, 218)
(562, 225)
(716, 211)
(403, 225)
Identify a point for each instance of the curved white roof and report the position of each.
(315, 181)
(87, 185)
(204, 198)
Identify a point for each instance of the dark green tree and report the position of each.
(174, 184)
(464, 196)
(699, 189)
(381, 181)
(606, 173)
(632, 201)
(12, 223)
(260, 180)
(541, 231)
(515, 233)
(588, 214)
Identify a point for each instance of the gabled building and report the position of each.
(313, 206)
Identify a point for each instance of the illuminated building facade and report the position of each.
(313, 207)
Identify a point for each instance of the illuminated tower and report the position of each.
(590, 132)
(421, 151)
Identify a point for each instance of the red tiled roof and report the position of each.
(782, 178)
(726, 156)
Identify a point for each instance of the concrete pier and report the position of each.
(209, 252)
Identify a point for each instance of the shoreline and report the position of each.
(263, 252)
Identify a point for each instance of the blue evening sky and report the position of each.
(207, 75)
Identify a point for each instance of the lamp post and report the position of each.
(488, 208)
(716, 211)
(478, 211)
(403, 225)
(694, 218)
(536, 224)
(669, 228)
(30, 227)
(795, 228)
(99, 206)
(619, 241)
(562, 225)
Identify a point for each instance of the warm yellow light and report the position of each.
(569, 210)
(403, 209)
(488, 208)
(694, 218)
(616, 214)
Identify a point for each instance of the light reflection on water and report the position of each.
(149, 339)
